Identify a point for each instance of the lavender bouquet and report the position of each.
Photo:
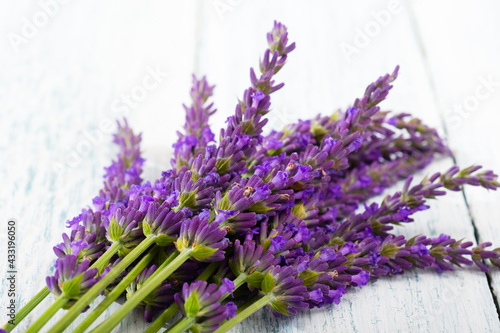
(281, 221)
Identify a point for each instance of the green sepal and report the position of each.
(202, 252)
(308, 277)
(114, 230)
(222, 165)
(259, 208)
(146, 229)
(224, 203)
(192, 305)
(195, 329)
(188, 199)
(318, 130)
(266, 244)
(298, 211)
(164, 240)
(255, 279)
(280, 307)
(336, 116)
(71, 289)
(235, 267)
(268, 283)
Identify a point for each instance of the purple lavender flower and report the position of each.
(206, 240)
(72, 279)
(201, 302)
(126, 170)
(198, 133)
(81, 244)
(479, 253)
(288, 294)
(124, 225)
(250, 258)
(163, 222)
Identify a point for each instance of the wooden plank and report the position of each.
(318, 79)
(80, 72)
(65, 81)
(463, 60)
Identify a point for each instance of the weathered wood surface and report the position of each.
(69, 77)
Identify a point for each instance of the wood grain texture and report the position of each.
(469, 106)
(73, 73)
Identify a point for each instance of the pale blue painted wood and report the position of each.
(469, 100)
(67, 78)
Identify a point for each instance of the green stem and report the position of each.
(163, 318)
(99, 263)
(145, 290)
(167, 261)
(27, 309)
(93, 292)
(242, 278)
(182, 325)
(263, 301)
(117, 291)
(173, 308)
(208, 271)
(103, 260)
(59, 303)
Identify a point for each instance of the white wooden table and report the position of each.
(64, 78)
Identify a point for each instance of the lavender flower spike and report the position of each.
(198, 133)
(126, 170)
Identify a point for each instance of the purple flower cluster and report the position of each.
(279, 212)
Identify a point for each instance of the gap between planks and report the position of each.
(432, 85)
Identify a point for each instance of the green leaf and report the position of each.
(255, 279)
(192, 305)
(164, 240)
(146, 229)
(280, 307)
(268, 283)
(114, 230)
(202, 252)
(71, 288)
